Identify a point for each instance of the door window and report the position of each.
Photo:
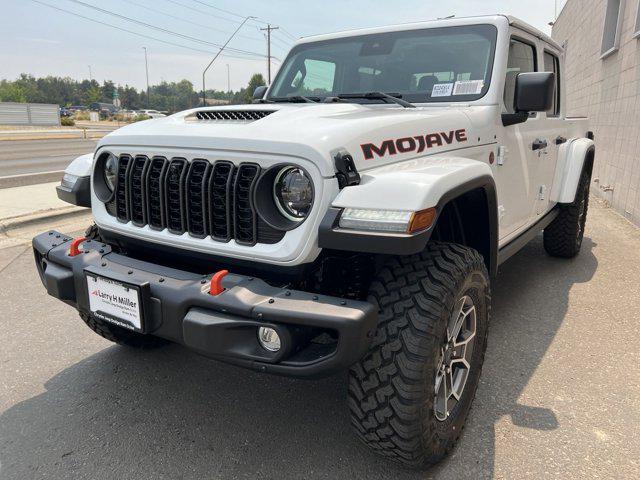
(522, 59)
(552, 64)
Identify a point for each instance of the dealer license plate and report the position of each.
(115, 302)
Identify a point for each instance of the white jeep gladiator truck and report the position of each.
(351, 218)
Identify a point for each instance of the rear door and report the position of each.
(554, 132)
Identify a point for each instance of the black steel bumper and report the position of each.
(176, 305)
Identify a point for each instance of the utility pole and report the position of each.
(90, 76)
(204, 89)
(146, 66)
(228, 78)
(268, 30)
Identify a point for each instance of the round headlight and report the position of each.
(111, 171)
(293, 193)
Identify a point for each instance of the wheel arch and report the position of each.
(468, 215)
(573, 158)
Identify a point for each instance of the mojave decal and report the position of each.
(417, 144)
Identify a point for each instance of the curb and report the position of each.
(14, 223)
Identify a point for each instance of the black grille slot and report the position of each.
(155, 192)
(220, 202)
(122, 203)
(137, 188)
(197, 187)
(238, 115)
(245, 215)
(174, 195)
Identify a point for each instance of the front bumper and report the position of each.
(176, 305)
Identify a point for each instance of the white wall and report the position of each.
(608, 91)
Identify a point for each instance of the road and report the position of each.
(21, 159)
(559, 395)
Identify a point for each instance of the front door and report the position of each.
(517, 161)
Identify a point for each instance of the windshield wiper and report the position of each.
(377, 96)
(293, 99)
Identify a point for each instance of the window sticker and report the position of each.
(468, 87)
(442, 90)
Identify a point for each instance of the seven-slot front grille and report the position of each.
(197, 196)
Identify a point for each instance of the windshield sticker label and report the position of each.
(417, 144)
(468, 87)
(442, 90)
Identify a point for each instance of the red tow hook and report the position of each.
(75, 246)
(216, 282)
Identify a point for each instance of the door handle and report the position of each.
(560, 140)
(539, 145)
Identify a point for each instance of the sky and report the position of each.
(40, 40)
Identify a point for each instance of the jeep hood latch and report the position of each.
(346, 172)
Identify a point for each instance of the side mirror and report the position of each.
(259, 92)
(534, 91)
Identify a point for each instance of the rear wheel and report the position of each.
(410, 395)
(563, 237)
(122, 336)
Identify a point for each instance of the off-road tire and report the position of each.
(392, 389)
(122, 336)
(563, 237)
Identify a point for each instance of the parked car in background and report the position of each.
(78, 108)
(151, 113)
(66, 112)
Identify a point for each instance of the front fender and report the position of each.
(76, 183)
(571, 161)
(81, 166)
(414, 185)
(411, 186)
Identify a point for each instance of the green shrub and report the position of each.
(67, 122)
(139, 118)
(81, 115)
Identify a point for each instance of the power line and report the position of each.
(161, 12)
(227, 11)
(167, 42)
(201, 11)
(160, 29)
(290, 35)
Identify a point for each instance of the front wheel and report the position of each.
(410, 395)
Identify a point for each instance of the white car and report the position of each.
(351, 218)
(151, 113)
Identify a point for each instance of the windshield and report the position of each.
(431, 65)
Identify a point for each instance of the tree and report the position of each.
(257, 80)
(11, 92)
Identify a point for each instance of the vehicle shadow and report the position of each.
(173, 414)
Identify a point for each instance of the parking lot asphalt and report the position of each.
(559, 396)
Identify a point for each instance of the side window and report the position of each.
(552, 64)
(317, 78)
(522, 59)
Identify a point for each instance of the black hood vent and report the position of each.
(232, 115)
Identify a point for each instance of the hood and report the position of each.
(375, 135)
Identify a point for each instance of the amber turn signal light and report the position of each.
(422, 220)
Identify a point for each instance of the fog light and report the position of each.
(269, 339)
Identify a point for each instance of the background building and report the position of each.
(602, 81)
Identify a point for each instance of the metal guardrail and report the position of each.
(12, 113)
